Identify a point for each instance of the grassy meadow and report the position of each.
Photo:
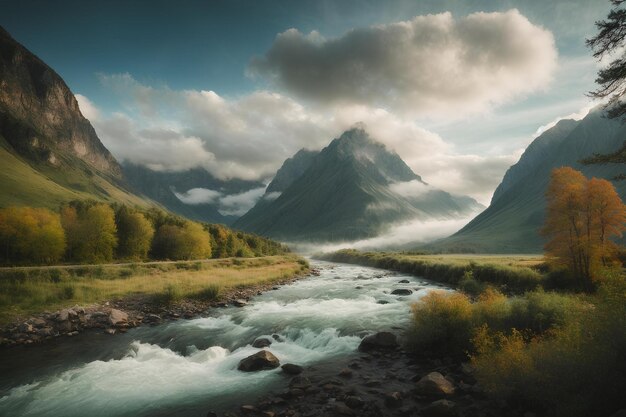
(29, 290)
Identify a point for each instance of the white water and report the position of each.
(189, 367)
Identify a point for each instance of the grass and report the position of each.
(511, 274)
(26, 291)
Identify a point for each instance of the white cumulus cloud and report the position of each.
(427, 65)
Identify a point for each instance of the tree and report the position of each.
(134, 233)
(31, 235)
(190, 241)
(90, 230)
(610, 40)
(582, 217)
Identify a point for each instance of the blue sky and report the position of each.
(135, 62)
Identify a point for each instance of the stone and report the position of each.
(440, 408)
(383, 302)
(345, 373)
(25, 328)
(45, 332)
(404, 281)
(291, 369)
(152, 318)
(117, 317)
(402, 291)
(434, 385)
(262, 342)
(354, 402)
(393, 399)
(249, 409)
(109, 331)
(300, 382)
(259, 361)
(64, 315)
(240, 302)
(379, 341)
(38, 322)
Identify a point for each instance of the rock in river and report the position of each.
(261, 342)
(440, 408)
(291, 369)
(402, 291)
(379, 341)
(259, 361)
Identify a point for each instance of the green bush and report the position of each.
(471, 286)
(170, 295)
(209, 293)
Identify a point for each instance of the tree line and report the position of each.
(95, 232)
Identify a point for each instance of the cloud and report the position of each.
(409, 189)
(228, 204)
(199, 196)
(249, 137)
(402, 235)
(87, 108)
(428, 65)
(239, 204)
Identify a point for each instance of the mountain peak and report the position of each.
(39, 115)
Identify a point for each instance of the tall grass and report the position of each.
(502, 272)
(24, 291)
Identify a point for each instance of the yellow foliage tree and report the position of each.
(91, 232)
(582, 217)
(134, 233)
(190, 241)
(31, 235)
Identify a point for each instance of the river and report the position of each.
(188, 367)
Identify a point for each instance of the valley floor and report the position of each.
(180, 288)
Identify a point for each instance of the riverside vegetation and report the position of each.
(543, 337)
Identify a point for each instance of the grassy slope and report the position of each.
(24, 185)
(29, 290)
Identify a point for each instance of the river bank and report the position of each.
(170, 291)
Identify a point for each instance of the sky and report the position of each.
(458, 88)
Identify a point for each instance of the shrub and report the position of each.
(469, 285)
(170, 295)
(575, 369)
(442, 322)
(209, 293)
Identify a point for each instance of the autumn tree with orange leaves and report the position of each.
(583, 215)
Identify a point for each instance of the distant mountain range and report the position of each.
(517, 211)
(354, 188)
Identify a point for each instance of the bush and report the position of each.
(469, 285)
(575, 369)
(170, 295)
(209, 293)
(442, 322)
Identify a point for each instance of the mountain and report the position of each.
(162, 186)
(48, 151)
(291, 170)
(512, 222)
(353, 189)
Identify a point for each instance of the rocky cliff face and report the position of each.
(39, 115)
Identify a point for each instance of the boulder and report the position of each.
(117, 317)
(379, 341)
(64, 315)
(240, 303)
(262, 342)
(259, 361)
(404, 281)
(38, 322)
(434, 385)
(291, 369)
(440, 408)
(402, 291)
